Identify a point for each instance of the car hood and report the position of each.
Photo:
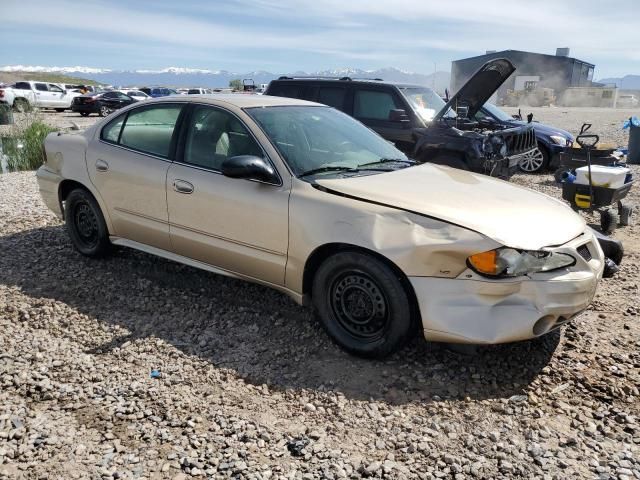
(541, 128)
(512, 216)
(479, 88)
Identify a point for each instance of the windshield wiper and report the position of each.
(313, 171)
(388, 160)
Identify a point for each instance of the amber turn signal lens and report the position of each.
(485, 262)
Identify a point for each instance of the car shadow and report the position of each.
(260, 334)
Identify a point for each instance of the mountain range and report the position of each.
(194, 77)
(628, 82)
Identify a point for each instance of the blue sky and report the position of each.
(287, 35)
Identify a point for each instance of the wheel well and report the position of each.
(323, 252)
(66, 187)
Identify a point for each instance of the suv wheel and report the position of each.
(85, 224)
(362, 304)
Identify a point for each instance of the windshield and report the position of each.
(424, 101)
(498, 113)
(311, 138)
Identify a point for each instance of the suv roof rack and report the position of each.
(318, 77)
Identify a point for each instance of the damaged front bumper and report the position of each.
(478, 310)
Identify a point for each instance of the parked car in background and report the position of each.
(101, 103)
(29, 94)
(550, 141)
(305, 199)
(420, 123)
(158, 91)
(136, 94)
(198, 91)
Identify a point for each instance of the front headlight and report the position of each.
(509, 262)
(559, 140)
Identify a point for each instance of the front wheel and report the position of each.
(85, 224)
(104, 111)
(362, 304)
(534, 161)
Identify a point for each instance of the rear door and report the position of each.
(128, 162)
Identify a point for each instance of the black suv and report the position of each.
(420, 123)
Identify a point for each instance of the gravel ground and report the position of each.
(249, 386)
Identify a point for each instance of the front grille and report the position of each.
(584, 252)
(520, 140)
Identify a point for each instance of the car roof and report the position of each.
(239, 100)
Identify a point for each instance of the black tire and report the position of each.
(60, 110)
(21, 105)
(362, 304)
(104, 111)
(609, 221)
(84, 114)
(625, 212)
(559, 172)
(85, 224)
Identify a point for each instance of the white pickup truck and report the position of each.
(27, 95)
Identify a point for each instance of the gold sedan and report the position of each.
(307, 200)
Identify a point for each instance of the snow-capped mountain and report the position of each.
(197, 77)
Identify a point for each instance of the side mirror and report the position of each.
(249, 167)
(398, 115)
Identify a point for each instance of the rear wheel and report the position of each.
(21, 105)
(362, 304)
(85, 224)
(535, 161)
(84, 114)
(60, 110)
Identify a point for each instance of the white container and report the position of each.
(609, 177)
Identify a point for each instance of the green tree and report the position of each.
(236, 84)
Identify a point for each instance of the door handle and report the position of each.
(101, 165)
(181, 186)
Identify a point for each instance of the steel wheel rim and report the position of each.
(359, 305)
(86, 223)
(532, 161)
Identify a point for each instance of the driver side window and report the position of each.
(214, 135)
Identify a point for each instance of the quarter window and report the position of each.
(150, 129)
(373, 104)
(111, 133)
(214, 135)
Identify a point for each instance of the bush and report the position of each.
(23, 150)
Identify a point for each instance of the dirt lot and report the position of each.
(250, 386)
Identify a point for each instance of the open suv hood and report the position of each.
(511, 215)
(480, 87)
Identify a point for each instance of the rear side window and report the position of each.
(111, 133)
(150, 129)
(332, 96)
(22, 86)
(373, 104)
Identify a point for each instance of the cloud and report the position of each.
(366, 32)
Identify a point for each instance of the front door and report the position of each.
(44, 98)
(238, 225)
(128, 164)
(58, 96)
